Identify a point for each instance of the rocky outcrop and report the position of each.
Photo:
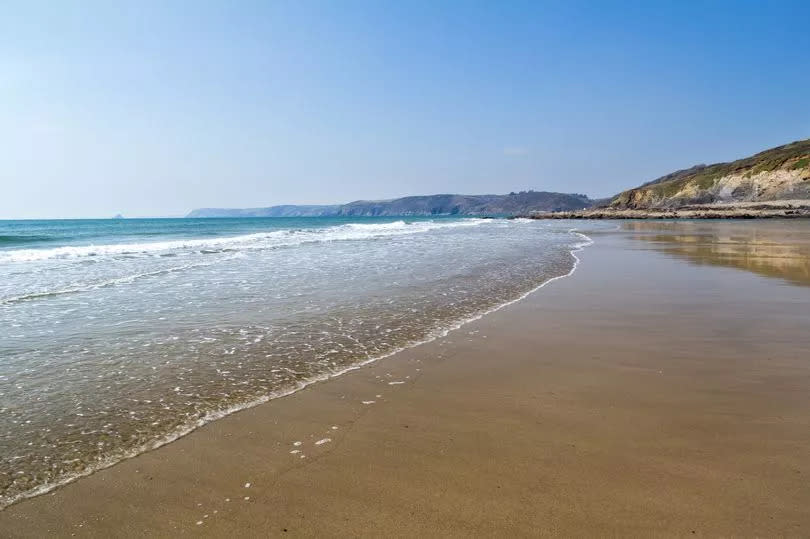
(736, 210)
(781, 173)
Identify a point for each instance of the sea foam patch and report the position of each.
(188, 330)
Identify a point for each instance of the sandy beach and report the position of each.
(663, 389)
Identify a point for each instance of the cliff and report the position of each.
(781, 173)
(511, 204)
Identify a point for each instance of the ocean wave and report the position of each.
(234, 246)
(213, 415)
(17, 239)
(258, 240)
(86, 287)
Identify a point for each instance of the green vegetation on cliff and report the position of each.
(779, 173)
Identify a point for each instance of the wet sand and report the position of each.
(660, 390)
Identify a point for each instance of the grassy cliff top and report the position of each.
(702, 178)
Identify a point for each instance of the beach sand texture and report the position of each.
(662, 389)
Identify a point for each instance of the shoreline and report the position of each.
(216, 416)
(575, 411)
(777, 209)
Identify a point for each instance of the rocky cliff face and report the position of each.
(781, 173)
(511, 204)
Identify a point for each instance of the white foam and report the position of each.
(259, 240)
(111, 460)
(86, 287)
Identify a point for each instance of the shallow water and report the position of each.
(775, 248)
(117, 336)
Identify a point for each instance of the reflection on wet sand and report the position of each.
(779, 249)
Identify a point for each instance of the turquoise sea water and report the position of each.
(119, 335)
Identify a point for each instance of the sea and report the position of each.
(120, 335)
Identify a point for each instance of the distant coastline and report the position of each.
(426, 205)
(774, 183)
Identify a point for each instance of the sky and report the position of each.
(156, 108)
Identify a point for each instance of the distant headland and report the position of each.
(772, 183)
(511, 204)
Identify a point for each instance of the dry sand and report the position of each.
(648, 394)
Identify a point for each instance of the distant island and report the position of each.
(511, 204)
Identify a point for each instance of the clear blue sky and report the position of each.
(157, 108)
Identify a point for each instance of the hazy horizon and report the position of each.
(154, 109)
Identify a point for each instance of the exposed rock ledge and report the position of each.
(736, 210)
